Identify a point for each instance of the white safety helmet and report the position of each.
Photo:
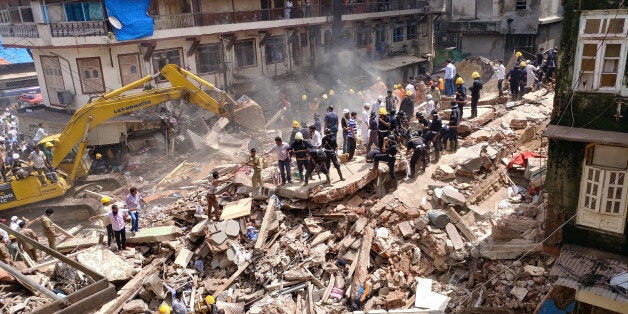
(428, 96)
(380, 97)
(345, 111)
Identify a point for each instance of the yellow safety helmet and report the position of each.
(48, 144)
(324, 96)
(11, 237)
(331, 92)
(105, 200)
(304, 97)
(459, 81)
(475, 75)
(351, 91)
(523, 64)
(382, 110)
(518, 54)
(295, 124)
(164, 309)
(98, 156)
(409, 93)
(210, 300)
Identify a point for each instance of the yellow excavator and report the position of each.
(69, 146)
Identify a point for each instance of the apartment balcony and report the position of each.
(79, 29)
(19, 30)
(475, 27)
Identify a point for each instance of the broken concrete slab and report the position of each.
(427, 299)
(110, 265)
(154, 235)
(237, 209)
(509, 250)
(450, 195)
(469, 158)
(72, 244)
(136, 306)
(231, 228)
(444, 172)
(219, 237)
(183, 257)
(199, 229)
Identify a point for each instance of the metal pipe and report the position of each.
(28, 282)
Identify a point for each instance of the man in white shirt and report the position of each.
(40, 134)
(116, 217)
(38, 158)
(500, 72)
(283, 159)
(364, 123)
(450, 76)
(316, 140)
(531, 77)
(12, 134)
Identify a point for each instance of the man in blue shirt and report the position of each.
(331, 121)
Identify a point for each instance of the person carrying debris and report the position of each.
(316, 158)
(475, 93)
(330, 146)
(212, 201)
(133, 204)
(29, 249)
(454, 121)
(383, 127)
(518, 78)
(256, 163)
(461, 94)
(283, 159)
(117, 223)
(316, 139)
(299, 150)
(106, 201)
(417, 147)
(49, 228)
(331, 121)
(389, 155)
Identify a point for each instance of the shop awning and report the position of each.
(586, 135)
(394, 62)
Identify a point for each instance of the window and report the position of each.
(362, 36)
(244, 53)
(303, 38)
(166, 56)
(521, 5)
(129, 68)
(411, 30)
(603, 189)
(275, 49)
(17, 11)
(380, 33)
(75, 11)
(601, 56)
(209, 58)
(91, 75)
(398, 33)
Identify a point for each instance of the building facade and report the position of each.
(229, 43)
(494, 29)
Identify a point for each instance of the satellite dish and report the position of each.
(115, 22)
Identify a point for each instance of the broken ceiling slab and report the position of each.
(427, 299)
(237, 209)
(154, 235)
(110, 265)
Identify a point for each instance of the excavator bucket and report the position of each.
(248, 113)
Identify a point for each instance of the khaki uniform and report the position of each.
(257, 171)
(5, 257)
(49, 231)
(29, 249)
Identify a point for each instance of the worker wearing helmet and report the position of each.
(517, 79)
(475, 93)
(433, 134)
(296, 128)
(390, 100)
(388, 153)
(106, 204)
(383, 127)
(165, 309)
(344, 124)
(299, 149)
(461, 94)
(372, 131)
(99, 165)
(379, 104)
(14, 249)
(330, 146)
(518, 56)
(407, 104)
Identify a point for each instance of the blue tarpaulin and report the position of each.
(133, 16)
(14, 55)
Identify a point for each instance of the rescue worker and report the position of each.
(530, 76)
(433, 134)
(48, 146)
(454, 120)
(383, 127)
(379, 104)
(316, 139)
(518, 78)
(422, 123)
(390, 101)
(419, 151)
(133, 202)
(29, 249)
(210, 196)
(305, 130)
(38, 159)
(407, 104)
(519, 56)
(256, 163)
(296, 128)
(435, 93)
(461, 94)
(318, 125)
(475, 93)
(429, 104)
(299, 150)
(344, 123)
(331, 121)
(372, 140)
(501, 74)
(316, 158)
(283, 159)
(550, 64)
(352, 135)
(330, 146)
(49, 228)
(14, 249)
(388, 154)
(117, 223)
(106, 201)
(5, 257)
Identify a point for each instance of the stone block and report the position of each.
(444, 172)
(136, 306)
(183, 258)
(451, 195)
(405, 228)
(154, 235)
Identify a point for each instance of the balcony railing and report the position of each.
(19, 30)
(79, 28)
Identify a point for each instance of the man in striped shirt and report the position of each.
(352, 128)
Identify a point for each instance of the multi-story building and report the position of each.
(587, 169)
(493, 29)
(228, 42)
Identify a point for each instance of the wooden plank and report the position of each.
(231, 279)
(269, 217)
(363, 261)
(237, 209)
(330, 287)
(131, 288)
(310, 299)
(171, 173)
(454, 236)
(50, 262)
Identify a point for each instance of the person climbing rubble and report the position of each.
(461, 95)
(117, 217)
(212, 200)
(517, 80)
(49, 228)
(330, 146)
(475, 93)
(316, 159)
(417, 147)
(133, 203)
(299, 150)
(255, 162)
(387, 154)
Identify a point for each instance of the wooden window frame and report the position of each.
(139, 63)
(152, 60)
(102, 78)
(198, 53)
(254, 54)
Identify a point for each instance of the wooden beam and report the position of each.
(195, 42)
(131, 288)
(330, 286)
(269, 217)
(231, 279)
(50, 262)
(363, 261)
(457, 220)
(262, 41)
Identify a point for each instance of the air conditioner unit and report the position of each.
(65, 97)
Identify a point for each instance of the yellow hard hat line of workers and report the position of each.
(206, 305)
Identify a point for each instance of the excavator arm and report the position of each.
(185, 85)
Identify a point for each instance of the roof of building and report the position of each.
(586, 135)
(589, 272)
(394, 62)
(14, 55)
